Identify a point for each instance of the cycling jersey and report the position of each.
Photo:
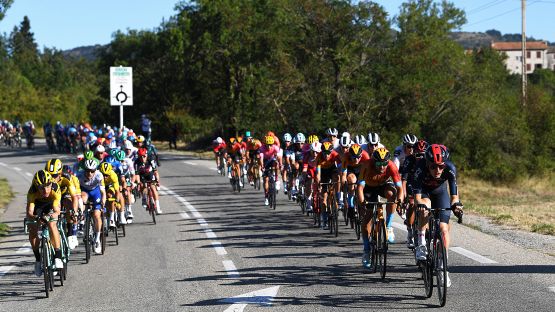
(424, 181)
(97, 181)
(234, 149)
(408, 169)
(53, 200)
(370, 176)
(219, 147)
(111, 181)
(268, 153)
(329, 162)
(145, 170)
(67, 188)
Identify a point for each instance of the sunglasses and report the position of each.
(354, 157)
(436, 166)
(90, 170)
(45, 186)
(409, 146)
(382, 163)
(55, 176)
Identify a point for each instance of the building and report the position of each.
(551, 58)
(536, 55)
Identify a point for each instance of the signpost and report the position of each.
(121, 89)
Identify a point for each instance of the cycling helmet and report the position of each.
(327, 147)
(239, 139)
(89, 155)
(421, 146)
(140, 139)
(355, 150)
(128, 145)
(113, 151)
(315, 147)
(435, 153)
(42, 178)
(312, 138)
(91, 164)
(373, 138)
(410, 139)
(345, 141)
(300, 138)
(359, 139)
(269, 140)
(100, 149)
(232, 140)
(53, 166)
(142, 151)
(287, 137)
(120, 155)
(446, 152)
(219, 140)
(346, 134)
(331, 131)
(381, 154)
(248, 134)
(105, 168)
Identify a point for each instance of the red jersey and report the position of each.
(328, 162)
(219, 147)
(371, 177)
(348, 162)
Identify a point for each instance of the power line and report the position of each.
(504, 13)
(486, 6)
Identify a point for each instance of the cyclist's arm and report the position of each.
(30, 209)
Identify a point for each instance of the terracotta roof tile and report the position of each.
(512, 46)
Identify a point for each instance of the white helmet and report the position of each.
(100, 149)
(219, 140)
(90, 164)
(359, 139)
(287, 137)
(113, 145)
(128, 145)
(345, 141)
(373, 138)
(316, 147)
(410, 139)
(331, 131)
(347, 134)
(300, 138)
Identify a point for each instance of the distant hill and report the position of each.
(89, 53)
(470, 40)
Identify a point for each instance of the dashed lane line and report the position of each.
(230, 269)
(190, 163)
(28, 174)
(17, 169)
(220, 250)
(5, 269)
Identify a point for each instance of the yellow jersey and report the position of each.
(111, 180)
(35, 197)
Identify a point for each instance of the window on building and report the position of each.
(528, 67)
(538, 66)
(538, 54)
(528, 54)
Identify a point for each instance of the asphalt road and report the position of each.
(211, 246)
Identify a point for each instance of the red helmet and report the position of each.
(142, 151)
(421, 146)
(436, 154)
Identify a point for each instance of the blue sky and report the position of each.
(65, 24)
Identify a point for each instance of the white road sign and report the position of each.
(121, 86)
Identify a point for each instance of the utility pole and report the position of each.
(524, 71)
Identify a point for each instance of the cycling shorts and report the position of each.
(440, 199)
(95, 197)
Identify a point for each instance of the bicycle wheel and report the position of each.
(152, 207)
(44, 264)
(427, 275)
(382, 249)
(373, 244)
(116, 221)
(238, 185)
(440, 264)
(103, 232)
(88, 237)
(335, 216)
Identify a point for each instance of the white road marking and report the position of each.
(471, 255)
(552, 288)
(231, 269)
(184, 215)
(209, 233)
(197, 215)
(220, 250)
(5, 269)
(214, 169)
(262, 297)
(16, 168)
(3, 164)
(28, 174)
(190, 163)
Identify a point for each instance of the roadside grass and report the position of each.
(528, 205)
(5, 197)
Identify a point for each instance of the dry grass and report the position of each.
(5, 197)
(528, 205)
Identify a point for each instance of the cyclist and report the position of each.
(279, 158)
(219, 148)
(402, 151)
(43, 202)
(234, 157)
(92, 188)
(253, 145)
(351, 163)
(373, 182)
(309, 167)
(359, 139)
(267, 160)
(331, 134)
(373, 143)
(326, 170)
(243, 161)
(113, 194)
(407, 175)
(126, 173)
(146, 170)
(432, 176)
(69, 199)
(288, 153)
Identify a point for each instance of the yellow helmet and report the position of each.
(140, 139)
(53, 166)
(232, 140)
(381, 154)
(105, 168)
(42, 178)
(312, 138)
(355, 150)
(327, 147)
(239, 139)
(269, 140)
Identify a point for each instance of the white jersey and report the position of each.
(127, 167)
(88, 185)
(399, 156)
